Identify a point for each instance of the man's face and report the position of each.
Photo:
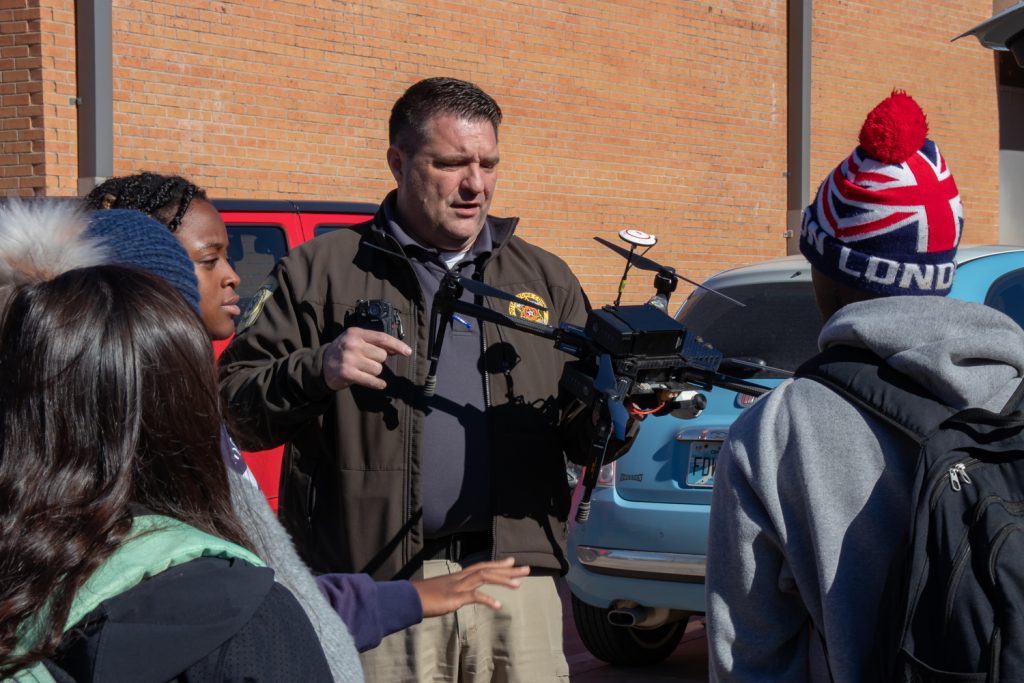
(445, 185)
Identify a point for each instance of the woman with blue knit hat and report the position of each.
(186, 212)
(812, 499)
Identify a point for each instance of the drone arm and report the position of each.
(567, 338)
(707, 379)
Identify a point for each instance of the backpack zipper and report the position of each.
(958, 474)
(955, 476)
(962, 554)
(997, 545)
(959, 565)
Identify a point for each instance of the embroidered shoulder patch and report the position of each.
(255, 307)
(535, 315)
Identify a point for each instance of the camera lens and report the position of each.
(374, 310)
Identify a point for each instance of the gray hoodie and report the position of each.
(811, 495)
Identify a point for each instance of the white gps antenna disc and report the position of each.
(638, 237)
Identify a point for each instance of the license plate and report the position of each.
(700, 472)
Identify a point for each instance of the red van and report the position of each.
(260, 232)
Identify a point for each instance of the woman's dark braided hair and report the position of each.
(164, 197)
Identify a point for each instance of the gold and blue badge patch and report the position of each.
(538, 314)
(255, 307)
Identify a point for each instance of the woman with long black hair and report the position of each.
(121, 557)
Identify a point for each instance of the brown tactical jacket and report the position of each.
(350, 484)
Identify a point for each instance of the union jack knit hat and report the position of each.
(888, 219)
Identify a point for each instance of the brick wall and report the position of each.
(58, 96)
(617, 113)
(668, 116)
(863, 50)
(21, 130)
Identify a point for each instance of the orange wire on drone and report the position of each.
(635, 410)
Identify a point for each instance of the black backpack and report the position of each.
(953, 605)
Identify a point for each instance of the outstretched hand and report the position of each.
(445, 594)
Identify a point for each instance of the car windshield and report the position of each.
(777, 328)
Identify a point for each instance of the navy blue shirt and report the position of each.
(455, 454)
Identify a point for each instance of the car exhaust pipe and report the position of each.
(627, 616)
(644, 617)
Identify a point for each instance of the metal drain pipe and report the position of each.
(798, 118)
(95, 100)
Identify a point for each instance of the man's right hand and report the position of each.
(358, 357)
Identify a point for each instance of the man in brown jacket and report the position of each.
(379, 477)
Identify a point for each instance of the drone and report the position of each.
(631, 361)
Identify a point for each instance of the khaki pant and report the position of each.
(520, 643)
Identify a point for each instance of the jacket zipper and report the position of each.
(410, 408)
(478, 274)
(410, 419)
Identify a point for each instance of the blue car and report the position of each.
(637, 565)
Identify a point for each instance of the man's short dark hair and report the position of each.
(437, 96)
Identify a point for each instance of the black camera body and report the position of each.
(379, 315)
(634, 331)
(652, 355)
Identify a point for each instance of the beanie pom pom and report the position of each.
(895, 129)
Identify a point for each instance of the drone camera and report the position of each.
(635, 331)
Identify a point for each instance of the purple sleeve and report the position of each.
(371, 609)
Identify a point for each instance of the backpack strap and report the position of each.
(1016, 401)
(154, 544)
(864, 379)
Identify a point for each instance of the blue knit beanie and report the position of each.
(131, 238)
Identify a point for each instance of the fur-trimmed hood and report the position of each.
(42, 238)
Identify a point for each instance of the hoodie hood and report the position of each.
(935, 341)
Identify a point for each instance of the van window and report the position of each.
(254, 250)
(1007, 295)
(778, 327)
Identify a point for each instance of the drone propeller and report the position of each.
(644, 263)
(474, 286)
(483, 289)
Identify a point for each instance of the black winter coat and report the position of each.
(210, 619)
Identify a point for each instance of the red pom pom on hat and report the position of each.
(894, 129)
